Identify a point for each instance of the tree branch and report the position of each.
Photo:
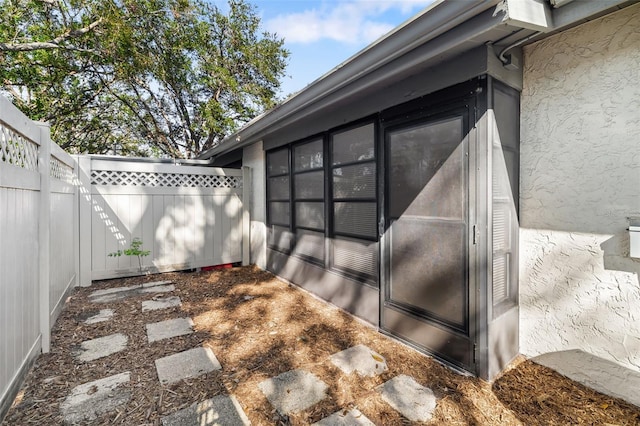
(56, 43)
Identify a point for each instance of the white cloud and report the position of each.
(353, 21)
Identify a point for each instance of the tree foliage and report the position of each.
(138, 77)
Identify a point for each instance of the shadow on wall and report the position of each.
(429, 217)
(182, 231)
(569, 299)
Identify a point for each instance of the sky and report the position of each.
(321, 34)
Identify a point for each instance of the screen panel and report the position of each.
(279, 188)
(309, 244)
(279, 213)
(278, 162)
(355, 181)
(354, 145)
(310, 215)
(279, 238)
(428, 177)
(309, 185)
(355, 256)
(427, 267)
(353, 218)
(308, 156)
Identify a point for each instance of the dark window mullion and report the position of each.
(299, 172)
(355, 200)
(292, 210)
(309, 228)
(310, 200)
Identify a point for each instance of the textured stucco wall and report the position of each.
(253, 156)
(580, 181)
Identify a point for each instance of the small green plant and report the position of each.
(135, 249)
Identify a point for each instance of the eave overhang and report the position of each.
(444, 30)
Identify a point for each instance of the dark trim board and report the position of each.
(422, 336)
(354, 297)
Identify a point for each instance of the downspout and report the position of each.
(502, 56)
(555, 4)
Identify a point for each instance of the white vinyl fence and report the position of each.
(186, 216)
(61, 216)
(38, 261)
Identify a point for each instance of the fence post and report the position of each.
(76, 219)
(246, 215)
(44, 234)
(84, 213)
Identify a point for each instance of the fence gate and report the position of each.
(186, 216)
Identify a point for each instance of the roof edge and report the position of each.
(433, 21)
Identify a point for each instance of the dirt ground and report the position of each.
(259, 327)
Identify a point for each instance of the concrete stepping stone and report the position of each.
(169, 328)
(118, 293)
(360, 359)
(293, 391)
(183, 365)
(88, 401)
(161, 303)
(219, 410)
(103, 315)
(101, 347)
(408, 397)
(346, 418)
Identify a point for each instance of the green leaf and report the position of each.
(151, 78)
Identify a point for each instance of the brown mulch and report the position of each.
(259, 327)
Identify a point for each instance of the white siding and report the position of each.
(580, 181)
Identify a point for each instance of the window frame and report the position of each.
(295, 200)
(270, 221)
(358, 200)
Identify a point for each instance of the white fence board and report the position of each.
(19, 304)
(62, 262)
(38, 235)
(184, 227)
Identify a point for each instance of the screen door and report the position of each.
(426, 285)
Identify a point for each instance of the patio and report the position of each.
(256, 336)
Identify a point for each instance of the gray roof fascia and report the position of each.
(578, 12)
(432, 22)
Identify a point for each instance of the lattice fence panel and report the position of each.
(17, 150)
(61, 171)
(126, 178)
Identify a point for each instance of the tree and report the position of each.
(138, 77)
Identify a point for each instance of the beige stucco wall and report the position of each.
(580, 181)
(253, 157)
